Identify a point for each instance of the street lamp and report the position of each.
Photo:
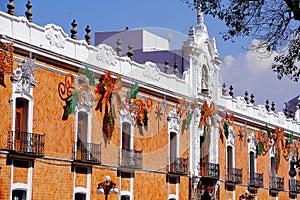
(106, 187)
(292, 171)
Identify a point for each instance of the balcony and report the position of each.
(25, 143)
(179, 166)
(256, 180)
(294, 186)
(210, 170)
(276, 183)
(87, 152)
(131, 159)
(234, 175)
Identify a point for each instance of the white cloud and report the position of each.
(250, 72)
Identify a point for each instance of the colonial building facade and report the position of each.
(84, 122)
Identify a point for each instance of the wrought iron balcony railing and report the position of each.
(87, 152)
(131, 158)
(234, 175)
(179, 166)
(276, 183)
(210, 170)
(256, 180)
(294, 186)
(26, 143)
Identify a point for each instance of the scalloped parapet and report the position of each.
(258, 113)
(52, 42)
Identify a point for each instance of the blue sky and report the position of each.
(244, 70)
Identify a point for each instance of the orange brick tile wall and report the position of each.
(52, 180)
(5, 107)
(4, 178)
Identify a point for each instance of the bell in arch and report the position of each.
(204, 88)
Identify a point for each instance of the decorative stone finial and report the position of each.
(246, 97)
(119, 48)
(252, 100)
(267, 105)
(28, 12)
(87, 35)
(192, 32)
(286, 112)
(231, 91)
(291, 114)
(175, 70)
(273, 106)
(130, 52)
(167, 67)
(11, 7)
(200, 21)
(224, 89)
(74, 30)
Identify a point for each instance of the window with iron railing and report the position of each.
(294, 186)
(131, 158)
(276, 183)
(26, 143)
(87, 152)
(179, 166)
(210, 170)
(234, 175)
(255, 180)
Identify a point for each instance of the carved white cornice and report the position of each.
(56, 36)
(151, 71)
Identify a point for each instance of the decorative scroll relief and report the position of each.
(126, 116)
(231, 136)
(151, 71)
(174, 120)
(24, 77)
(252, 142)
(106, 55)
(55, 35)
(241, 104)
(86, 96)
(126, 113)
(281, 118)
(262, 112)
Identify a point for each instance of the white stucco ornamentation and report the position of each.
(281, 118)
(86, 96)
(231, 136)
(125, 114)
(151, 71)
(174, 121)
(262, 111)
(106, 55)
(23, 77)
(241, 104)
(273, 150)
(55, 35)
(252, 142)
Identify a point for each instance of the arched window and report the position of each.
(252, 167)
(21, 115)
(229, 157)
(126, 136)
(18, 195)
(273, 167)
(80, 196)
(82, 127)
(204, 79)
(125, 197)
